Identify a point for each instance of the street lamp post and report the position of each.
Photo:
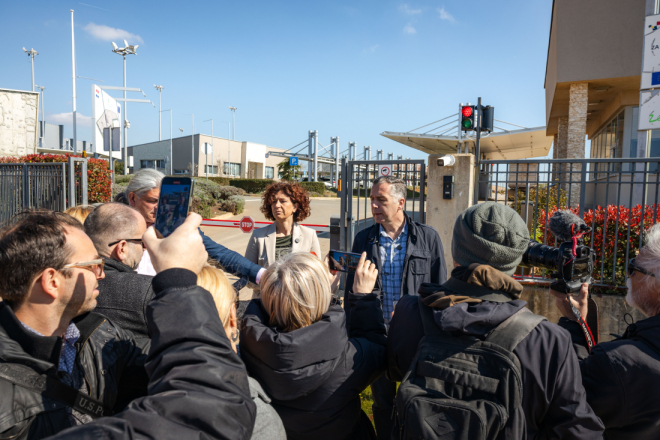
(123, 51)
(160, 89)
(31, 53)
(206, 153)
(171, 154)
(43, 115)
(233, 122)
(192, 145)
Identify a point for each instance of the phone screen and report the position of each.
(173, 204)
(343, 261)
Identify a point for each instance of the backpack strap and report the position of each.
(430, 327)
(48, 386)
(514, 329)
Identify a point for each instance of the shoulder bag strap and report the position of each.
(514, 329)
(52, 388)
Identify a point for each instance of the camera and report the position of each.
(572, 263)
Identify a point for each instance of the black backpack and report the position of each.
(460, 387)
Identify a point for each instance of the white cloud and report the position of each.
(67, 119)
(371, 49)
(107, 33)
(406, 9)
(408, 29)
(444, 15)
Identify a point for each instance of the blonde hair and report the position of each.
(80, 212)
(215, 281)
(295, 291)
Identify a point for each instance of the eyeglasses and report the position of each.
(130, 240)
(632, 268)
(95, 266)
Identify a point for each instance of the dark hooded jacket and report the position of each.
(124, 296)
(314, 375)
(622, 379)
(198, 386)
(554, 402)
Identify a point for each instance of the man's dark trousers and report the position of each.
(424, 263)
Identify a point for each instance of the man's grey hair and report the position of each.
(398, 188)
(649, 257)
(144, 181)
(109, 223)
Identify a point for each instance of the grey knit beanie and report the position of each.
(490, 233)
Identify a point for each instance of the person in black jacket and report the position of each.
(406, 254)
(488, 243)
(116, 231)
(55, 353)
(198, 385)
(622, 376)
(295, 343)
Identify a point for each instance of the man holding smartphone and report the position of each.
(143, 193)
(406, 254)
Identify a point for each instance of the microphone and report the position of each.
(565, 225)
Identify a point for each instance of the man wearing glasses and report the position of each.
(622, 376)
(116, 231)
(60, 365)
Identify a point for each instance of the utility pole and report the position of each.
(31, 53)
(206, 149)
(43, 117)
(73, 68)
(233, 123)
(192, 145)
(160, 89)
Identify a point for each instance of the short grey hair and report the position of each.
(649, 257)
(110, 222)
(144, 181)
(398, 187)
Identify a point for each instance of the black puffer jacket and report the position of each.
(554, 404)
(124, 296)
(105, 352)
(314, 375)
(622, 379)
(198, 386)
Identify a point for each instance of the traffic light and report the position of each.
(487, 117)
(467, 113)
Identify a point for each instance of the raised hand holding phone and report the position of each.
(366, 275)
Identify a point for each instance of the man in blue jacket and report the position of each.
(142, 193)
(406, 254)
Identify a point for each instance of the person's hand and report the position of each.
(183, 249)
(580, 302)
(335, 276)
(366, 275)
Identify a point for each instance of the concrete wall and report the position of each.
(53, 135)
(18, 122)
(153, 151)
(441, 214)
(611, 310)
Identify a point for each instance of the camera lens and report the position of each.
(540, 255)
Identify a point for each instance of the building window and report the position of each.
(211, 169)
(608, 144)
(181, 172)
(152, 163)
(232, 169)
(270, 172)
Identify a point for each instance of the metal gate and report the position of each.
(355, 189)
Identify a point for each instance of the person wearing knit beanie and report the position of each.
(490, 233)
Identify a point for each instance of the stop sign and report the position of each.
(247, 224)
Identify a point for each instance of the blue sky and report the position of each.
(348, 69)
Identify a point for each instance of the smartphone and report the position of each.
(173, 203)
(343, 261)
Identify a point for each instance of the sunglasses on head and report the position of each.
(95, 266)
(633, 267)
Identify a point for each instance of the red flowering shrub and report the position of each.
(616, 234)
(99, 177)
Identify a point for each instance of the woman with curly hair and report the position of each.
(286, 204)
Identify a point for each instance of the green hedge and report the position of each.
(314, 187)
(251, 185)
(224, 181)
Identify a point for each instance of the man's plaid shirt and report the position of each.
(392, 256)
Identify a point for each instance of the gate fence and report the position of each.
(356, 180)
(41, 186)
(617, 198)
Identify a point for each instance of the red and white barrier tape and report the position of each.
(235, 223)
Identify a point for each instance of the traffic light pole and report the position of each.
(476, 148)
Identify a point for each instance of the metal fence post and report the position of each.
(26, 186)
(72, 183)
(342, 200)
(583, 188)
(83, 181)
(63, 191)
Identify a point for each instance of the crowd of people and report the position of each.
(109, 331)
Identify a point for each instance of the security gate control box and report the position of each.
(448, 187)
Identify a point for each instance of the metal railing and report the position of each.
(617, 198)
(357, 177)
(31, 185)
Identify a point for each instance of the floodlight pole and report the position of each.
(160, 89)
(192, 145)
(125, 119)
(171, 156)
(73, 78)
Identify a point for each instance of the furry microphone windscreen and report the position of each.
(560, 224)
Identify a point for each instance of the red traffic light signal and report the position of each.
(467, 123)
